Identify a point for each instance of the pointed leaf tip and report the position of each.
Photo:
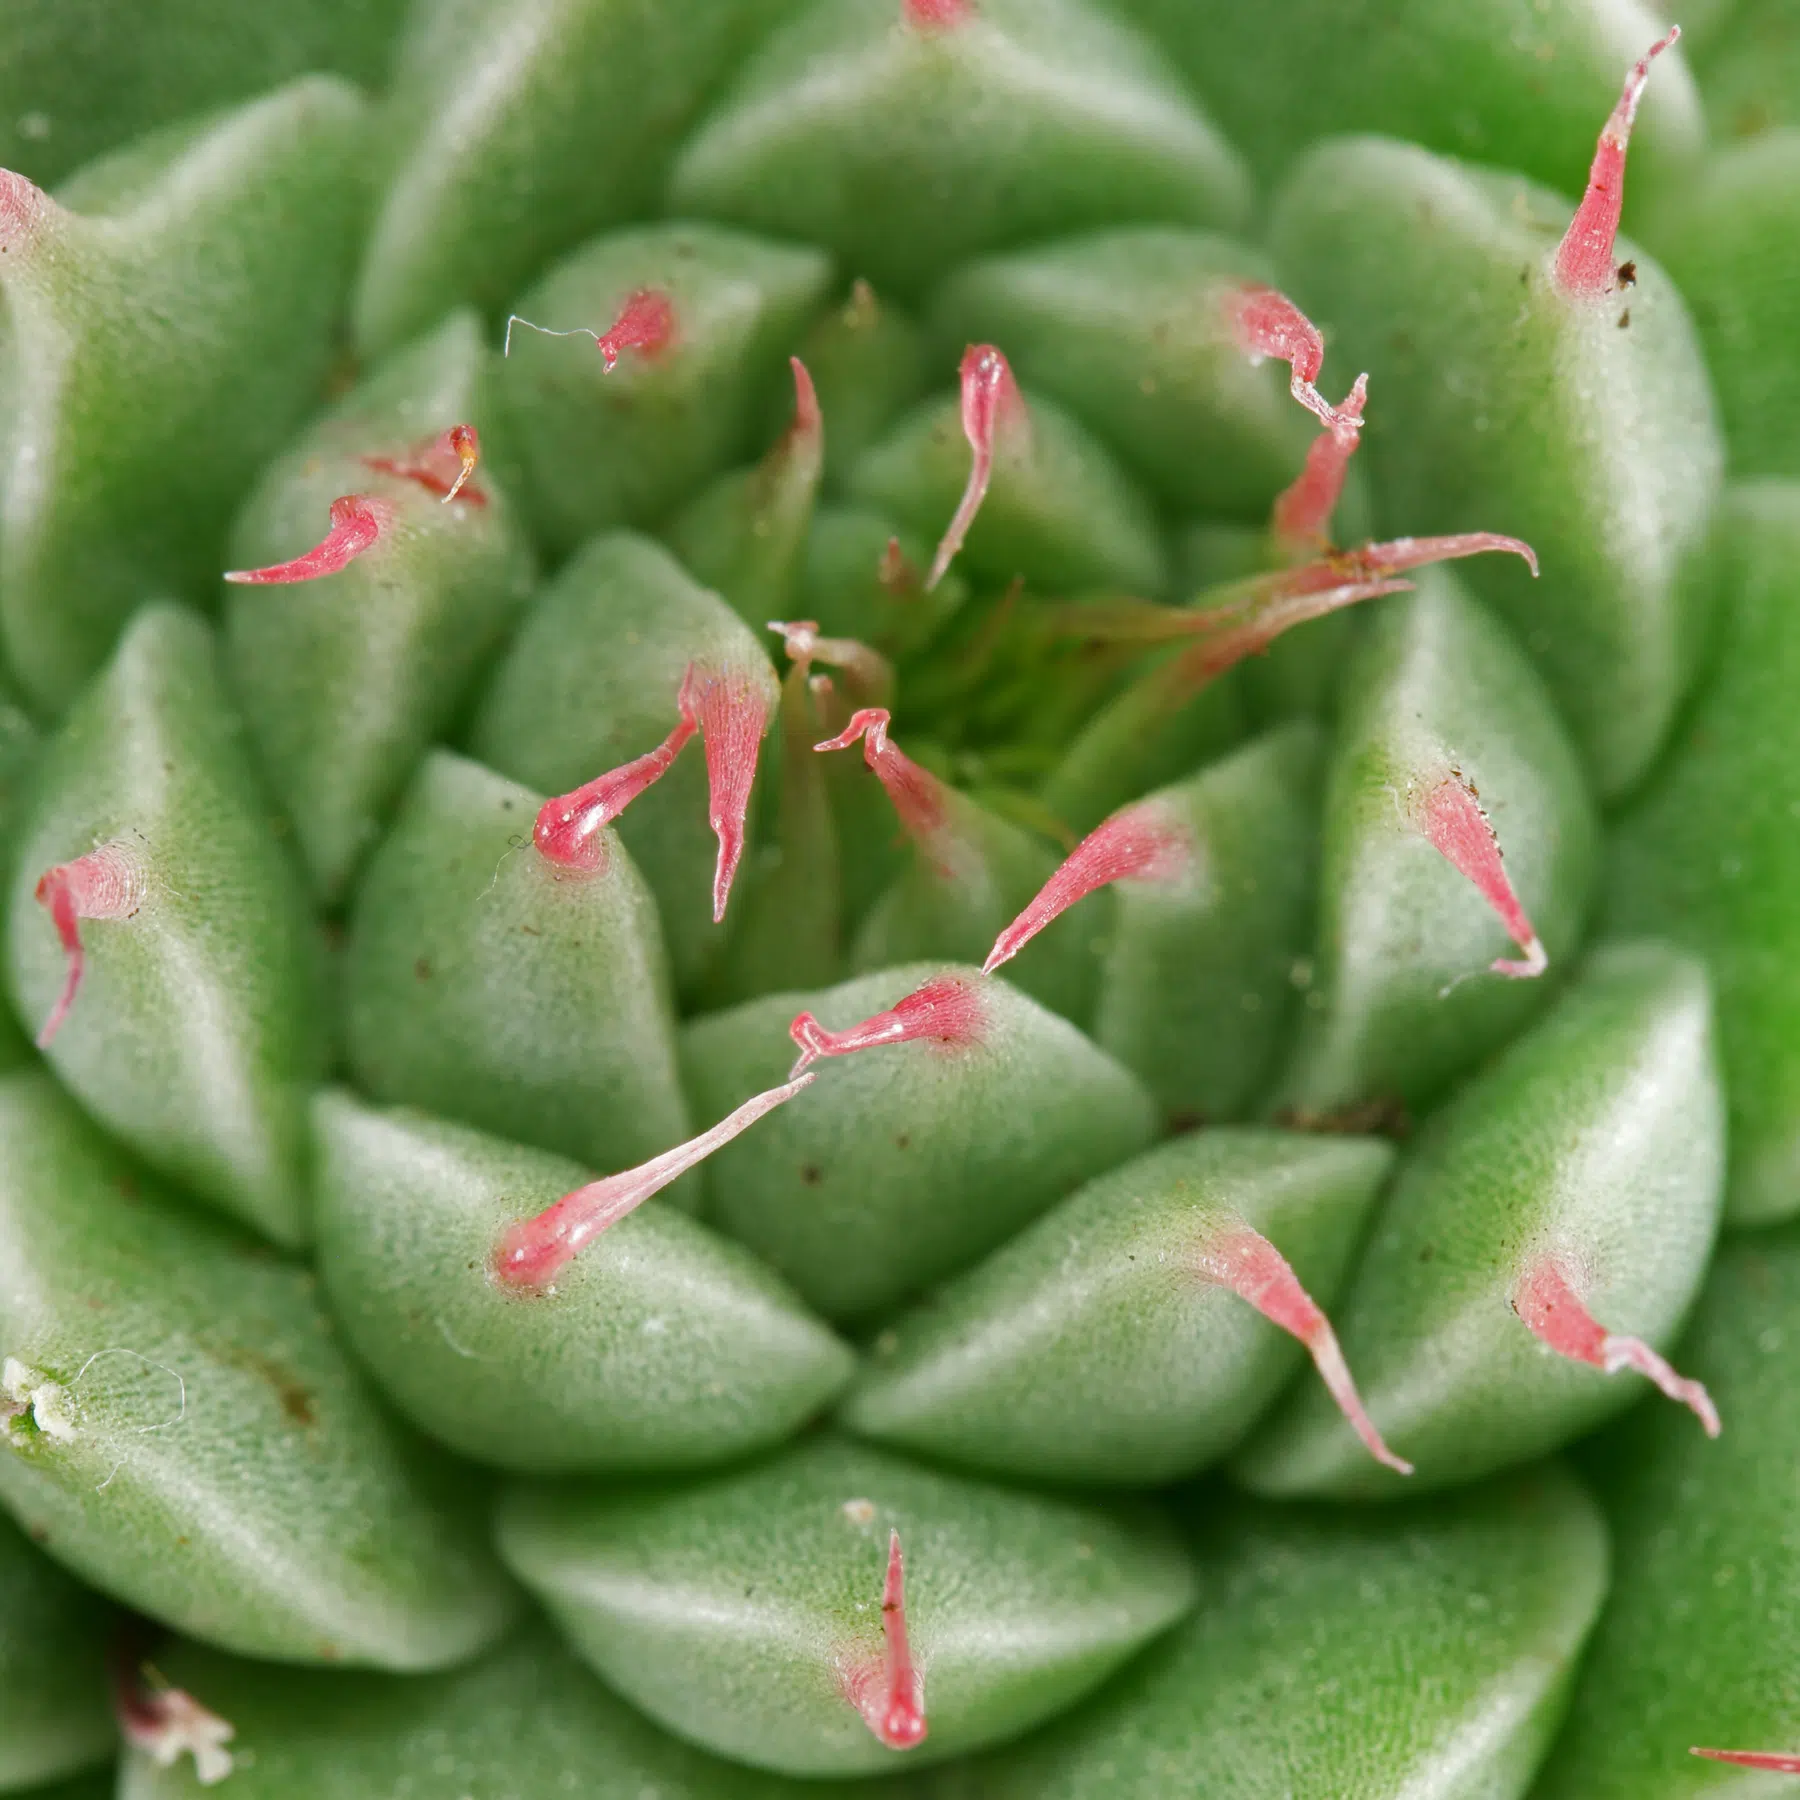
(946, 1010)
(1264, 322)
(890, 1694)
(991, 405)
(1445, 810)
(1301, 517)
(357, 522)
(733, 714)
(532, 1253)
(917, 795)
(1243, 1260)
(936, 15)
(22, 204)
(167, 1723)
(1553, 1312)
(1584, 259)
(1775, 1761)
(107, 883)
(1141, 842)
(442, 467)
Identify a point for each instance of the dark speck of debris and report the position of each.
(1627, 274)
(903, 1141)
(811, 1174)
(1625, 318)
(422, 968)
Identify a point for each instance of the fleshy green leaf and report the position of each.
(853, 586)
(1593, 1146)
(870, 362)
(900, 1164)
(1423, 1652)
(661, 1346)
(1498, 402)
(1752, 72)
(1126, 328)
(1403, 997)
(1197, 985)
(587, 448)
(743, 1611)
(591, 680)
(170, 326)
(1700, 1641)
(1710, 857)
(194, 1033)
(54, 1716)
(492, 986)
(513, 131)
(1519, 86)
(194, 1442)
(346, 680)
(1093, 1347)
(1060, 512)
(525, 1721)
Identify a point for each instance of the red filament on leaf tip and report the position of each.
(1545, 1299)
(1140, 842)
(945, 1009)
(918, 796)
(443, 467)
(533, 1252)
(991, 405)
(1301, 517)
(357, 522)
(1584, 259)
(1777, 1762)
(890, 1694)
(1245, 1261)
(1446, 811)
(106, 883)
(1265, 322)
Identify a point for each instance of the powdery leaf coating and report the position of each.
(227, 1471)
(661, 1346)
(1594, 1141)
(1110, 1341)
(1016, 1604)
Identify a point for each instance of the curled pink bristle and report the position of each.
(1235, 1256)
(1446, 811)
(919, 797)
(107, 883)
(991, 405)
(1398, 555)
(646, 323)
(733, 714)
(1265, 322)
(166, 1723)
(1553, 1312)
(1775, 1761)
(1584, 259)
(568, 827)
(946, 1010)
(1301, 517)
(867, 673)
(357, 522)
(442, 467)
(890, 1694)
(532, 1253)
(936, 15)
(1140, 842)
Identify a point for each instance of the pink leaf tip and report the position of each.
(808, 423)
(1546, 1300)
(107, 883)
(22, 205)
(357, 522)
(1265, 322)
(166, 1723)
(1775, 1761)
(533, 1252)
(1584, 259)
(918, 796)
(442, 467)
(936, 15)
(1140, 842)
(890, 1694)
(991, 406)
(730, 709)
(1243, 1260)
(897, 572)
(869, 674)
(1301, 517)
(1445, 809)
(646, 323)
(945, 1010)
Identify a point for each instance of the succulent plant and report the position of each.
(901, 899)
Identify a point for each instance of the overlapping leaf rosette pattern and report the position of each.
(973, 910)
